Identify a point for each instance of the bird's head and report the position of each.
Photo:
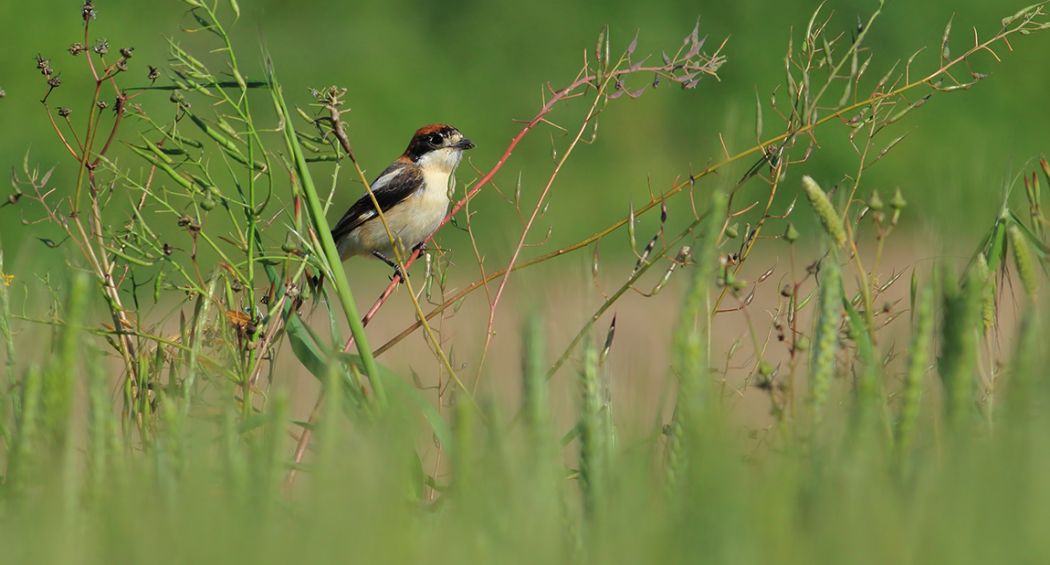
(437, 145)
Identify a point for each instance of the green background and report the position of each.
(481, 64)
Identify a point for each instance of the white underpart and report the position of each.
(416, 217)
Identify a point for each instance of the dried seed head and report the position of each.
(87, 11)
(101, 47)
(127, 52)
(3, 93)
(64, 112)
(122, 64)
(825, 210)
(54, 82)
(102, 104)
(76, 48)
(43, 65)
(154, 74)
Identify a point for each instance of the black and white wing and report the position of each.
(394, 184)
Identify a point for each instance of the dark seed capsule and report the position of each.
(87, 11)
(101, 47)
(64, 112)
(76, 48)
(127, 52)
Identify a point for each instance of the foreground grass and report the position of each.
(162, 433)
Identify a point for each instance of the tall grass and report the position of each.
(167, 434)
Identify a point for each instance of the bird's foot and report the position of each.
(398, 272)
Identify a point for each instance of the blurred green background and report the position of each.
(481, 64)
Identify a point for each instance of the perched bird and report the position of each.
(413, 194)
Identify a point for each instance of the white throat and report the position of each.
(444, 160)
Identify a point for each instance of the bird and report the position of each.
(413, 193)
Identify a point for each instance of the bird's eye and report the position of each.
(435, 139)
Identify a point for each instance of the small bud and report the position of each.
(875, 203)
(64, 112)
(289, 247)
(208, 203)
(76, 48)
(765, 369)
(898, 202)
(791, 234)
(801, 343)
(101, 47)
(733, 231)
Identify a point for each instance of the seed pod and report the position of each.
(875, 202)
(825, 210)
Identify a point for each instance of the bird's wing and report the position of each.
(393, 185)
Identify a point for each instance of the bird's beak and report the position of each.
(465, 144)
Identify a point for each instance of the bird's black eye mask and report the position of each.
(430, 141)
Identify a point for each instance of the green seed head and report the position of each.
(825, 210)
